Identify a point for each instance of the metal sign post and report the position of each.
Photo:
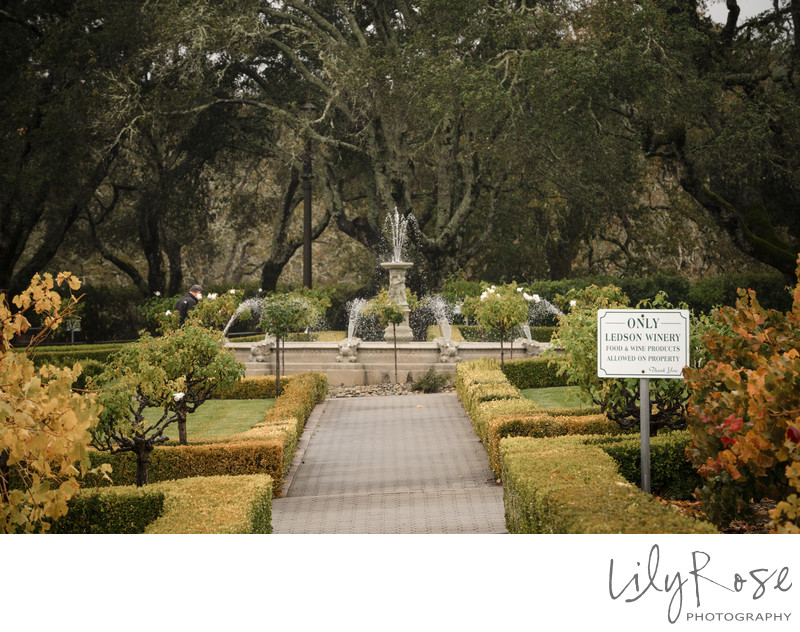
(645, 344)
(644, 431)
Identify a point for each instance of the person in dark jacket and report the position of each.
(189, 301)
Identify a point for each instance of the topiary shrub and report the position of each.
(499, 309)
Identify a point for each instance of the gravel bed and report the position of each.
(376, 390)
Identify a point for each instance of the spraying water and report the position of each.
(526, 329)
(543, 313)
(398, 234)
(253, 304)
(355, 309)
(442, 313)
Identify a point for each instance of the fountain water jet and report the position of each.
(355, 308)
(442, 314)
(348, 348)
(398, 235)
(253, 304)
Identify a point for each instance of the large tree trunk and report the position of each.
(15, 235)
(270, 273)
(283, 246)
(173, 250)
(150, 240)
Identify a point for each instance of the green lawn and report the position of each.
(557, 397)
(219, 419)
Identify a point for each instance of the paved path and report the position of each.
(395, 464)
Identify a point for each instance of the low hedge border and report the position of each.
(483, 414)
(564, 485)
(575, 412)
(97, 511)
(216, 504)
(210, 504)
(542, 424)
(671, 474)
(70, 355)
(234, 458)
(253, 387)
(485, 393)
(540, 372)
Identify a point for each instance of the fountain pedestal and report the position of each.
(397, 294)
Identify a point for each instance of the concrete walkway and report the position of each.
(395, 464)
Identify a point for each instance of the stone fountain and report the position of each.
(353, 361)
(397, 268)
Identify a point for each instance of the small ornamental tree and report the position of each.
(500, 309)
(744, 413)
(175, 373)
(283, 314)
(618, 398)
(387, 312)
(44, 425)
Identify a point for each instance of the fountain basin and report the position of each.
(374, 361)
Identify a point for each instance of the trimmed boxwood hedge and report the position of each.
(69, 355)
(542, 424)
(217, 504)
(487, 396)
(534, 373)
(253, 387)
(564, 485)
(93, 511)
(671, 474)
(212, 504)
(235, 458)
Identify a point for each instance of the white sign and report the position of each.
(649, 343)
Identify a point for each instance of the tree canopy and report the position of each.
(517, 134)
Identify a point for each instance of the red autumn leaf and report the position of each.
(726, 441)
(734, 423)
(793, 434)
